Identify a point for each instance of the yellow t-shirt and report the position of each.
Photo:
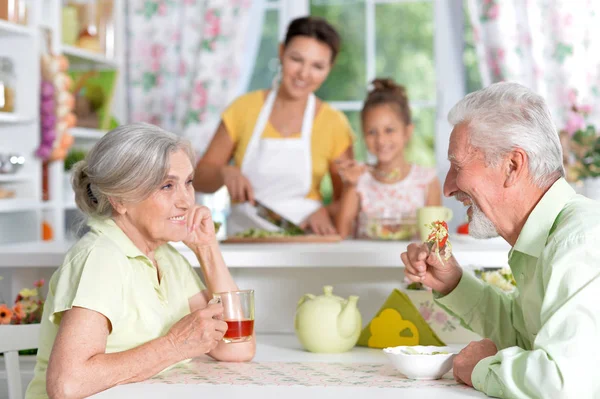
(107, 273)
(331, 134)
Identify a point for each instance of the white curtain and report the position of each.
(187, 59)
(551, 46)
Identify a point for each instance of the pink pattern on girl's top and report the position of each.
(390, 200)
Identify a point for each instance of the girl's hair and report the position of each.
(386, 91)
(317, 28)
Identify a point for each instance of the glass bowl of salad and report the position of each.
(394, 228)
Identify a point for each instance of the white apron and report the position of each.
(280, 172)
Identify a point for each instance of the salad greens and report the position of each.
(438, 239)
(411, 351)
(260, 233)
(377, 230)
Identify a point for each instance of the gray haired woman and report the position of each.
(125, 304)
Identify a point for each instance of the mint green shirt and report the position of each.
(105, 272)
(548, 330)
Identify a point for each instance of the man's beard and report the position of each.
(479, 225)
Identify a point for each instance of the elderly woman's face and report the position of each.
(474, 184)
(162, 217)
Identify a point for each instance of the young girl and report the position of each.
(392, 189)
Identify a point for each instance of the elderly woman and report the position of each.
(125, 304)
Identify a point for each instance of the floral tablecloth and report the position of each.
(295, 374)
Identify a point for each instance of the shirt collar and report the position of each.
(534, 234)
(109, 228)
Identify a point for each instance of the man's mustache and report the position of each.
(461, 196)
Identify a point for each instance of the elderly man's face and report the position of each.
(474, 184)
(162, 217)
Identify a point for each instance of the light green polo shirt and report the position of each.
(105, 272)
(548, 330)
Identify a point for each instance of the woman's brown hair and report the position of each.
(317, 28)
(386, 91)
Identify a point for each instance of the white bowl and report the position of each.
(424, 365)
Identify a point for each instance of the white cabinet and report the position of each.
(22, 217)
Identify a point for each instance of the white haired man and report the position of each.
(506, 165)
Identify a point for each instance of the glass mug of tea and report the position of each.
(238, 313)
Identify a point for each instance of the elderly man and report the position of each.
(506, 165)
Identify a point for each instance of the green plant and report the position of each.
(73, 157)
(583, 144)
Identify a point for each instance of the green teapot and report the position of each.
(327, 323)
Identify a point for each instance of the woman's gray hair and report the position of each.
(127, 164)
(504, 116)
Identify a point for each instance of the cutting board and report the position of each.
(309, 238)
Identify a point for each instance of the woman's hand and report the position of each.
(320, 223)
(199, 332)
(239, 187)
(350, 171)
(200, 227)
(423, 266)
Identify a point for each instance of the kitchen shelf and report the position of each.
(12, 29)
(24, 205)
(19, 205)
(86, 133)
(79, 56)
(13, 178)
(10, 117)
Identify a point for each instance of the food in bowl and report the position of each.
(421, 362)
(432, 353)
(387, 228)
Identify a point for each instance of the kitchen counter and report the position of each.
(282, 368)
(280, 273)
(356, 253)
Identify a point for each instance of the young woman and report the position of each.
(283, 140)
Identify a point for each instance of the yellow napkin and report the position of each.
(398, 323)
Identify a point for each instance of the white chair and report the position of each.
(14, 338)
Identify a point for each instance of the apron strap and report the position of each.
(259, 128)
(307, 126)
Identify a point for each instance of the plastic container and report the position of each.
(8, 83)
(14, 11)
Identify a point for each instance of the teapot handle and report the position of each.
(304, 298)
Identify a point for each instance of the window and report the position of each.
(472, 75)
(380, 38)
(266, 59)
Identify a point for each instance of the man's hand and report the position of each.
(424, 266)
(467, 359)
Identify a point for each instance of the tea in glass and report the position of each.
(238, 313)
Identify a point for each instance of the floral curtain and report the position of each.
(551, 46)
(185, 60)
